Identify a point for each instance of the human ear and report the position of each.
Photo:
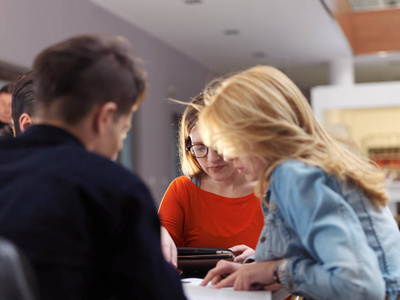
(105, 116)
(25, 120)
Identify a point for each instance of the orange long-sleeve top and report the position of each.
(197, 218)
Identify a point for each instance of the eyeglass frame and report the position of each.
(191, 152)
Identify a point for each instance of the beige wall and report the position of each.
(370, 127)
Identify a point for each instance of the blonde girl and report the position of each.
(328, 232)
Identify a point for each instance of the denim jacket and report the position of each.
(337, 245)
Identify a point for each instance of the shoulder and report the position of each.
(294, 182)
(180, 191)
(182, 182)
(295, 171)
(98, 174)
(294, 165)
(181, 186)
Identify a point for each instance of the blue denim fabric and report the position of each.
(338, 245)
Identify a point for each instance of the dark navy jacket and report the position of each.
(88, 226)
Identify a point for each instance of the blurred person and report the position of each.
(5, 111)
(6, 131)
(328, 231)
(88, 226)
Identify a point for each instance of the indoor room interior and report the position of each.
(268, 204)
(343, 54)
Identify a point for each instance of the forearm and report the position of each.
(171, 217)
(349, 281)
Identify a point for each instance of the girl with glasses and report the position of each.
(213, 205)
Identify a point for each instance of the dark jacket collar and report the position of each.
(47, 134)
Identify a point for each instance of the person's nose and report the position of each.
(228, 159)
(213, 155)
(231, 160)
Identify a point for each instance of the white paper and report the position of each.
(193, 291)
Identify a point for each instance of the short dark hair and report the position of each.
(84, 71)
(22, 99)
(8, 88)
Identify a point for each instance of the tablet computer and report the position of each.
(196, 262)
(187, 251)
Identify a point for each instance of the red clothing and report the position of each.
(197, 218)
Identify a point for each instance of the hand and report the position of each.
(169, 248)
(242, 252)
(253, 276)
(258, 275)
(222, 269)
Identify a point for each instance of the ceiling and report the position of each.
(360, 5)
(299, 37)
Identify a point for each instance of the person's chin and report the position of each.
(250, 177)
(218, 176)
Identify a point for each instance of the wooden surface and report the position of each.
(369, 31)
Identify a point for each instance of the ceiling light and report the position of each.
(231, 32)
(258, 54)
(192, 1)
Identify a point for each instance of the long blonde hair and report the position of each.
(260, 112)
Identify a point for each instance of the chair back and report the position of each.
(17, 280)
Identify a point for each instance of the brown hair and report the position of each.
(189, 164)
(83, 71)
(8, 88)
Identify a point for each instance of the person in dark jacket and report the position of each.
(88, 226)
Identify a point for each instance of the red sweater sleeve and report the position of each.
(171, 211)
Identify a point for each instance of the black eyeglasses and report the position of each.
(198, 151)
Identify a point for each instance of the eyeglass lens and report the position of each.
(199, 151)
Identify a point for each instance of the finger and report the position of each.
(213, 280)
(240, 258)
(214, 275)
(238, 248)
(227, 282)
(226, 266)
(210, 277)
(206, 280)
(218, 279)
(272, 287)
